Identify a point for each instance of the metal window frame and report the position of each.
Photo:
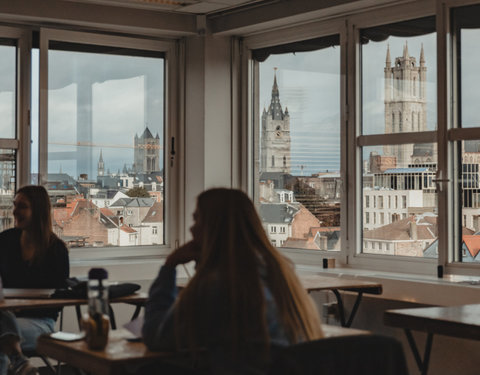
(174, 127)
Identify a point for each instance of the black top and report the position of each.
(15, 272)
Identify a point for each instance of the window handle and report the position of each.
(439, 181)
(172, 152)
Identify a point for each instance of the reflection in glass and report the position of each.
(299, 186)
(400, 201)
(469, 185)
(105, 147)
(7, 187)
(399, 78)
(467, 22)
(7, 91)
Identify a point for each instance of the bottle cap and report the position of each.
(98, 274)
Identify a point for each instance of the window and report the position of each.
(466, 33)
(105, 136)
(412, 173)
(299, 128)
(273, 229)
(13, 120)
(94, 134)
(391, 68)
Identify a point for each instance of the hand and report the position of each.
(184, 254)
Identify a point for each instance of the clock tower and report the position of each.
(275, 137)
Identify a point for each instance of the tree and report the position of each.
(138, 192)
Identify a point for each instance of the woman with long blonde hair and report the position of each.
(244, 300)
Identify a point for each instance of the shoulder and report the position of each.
(57, 246)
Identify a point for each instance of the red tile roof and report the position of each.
(400, 230)
(473, 244)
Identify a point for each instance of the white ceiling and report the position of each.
(184, 6)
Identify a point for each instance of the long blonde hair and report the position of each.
(233, 250)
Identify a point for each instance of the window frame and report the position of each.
(251, 107)
(21, 142)
(173, 62)
(351, 209)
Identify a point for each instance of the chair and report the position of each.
(342, 355)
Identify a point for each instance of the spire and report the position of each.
(388, 60)
(100, 160)
(422, 57)
(275, 108)
(405, 51)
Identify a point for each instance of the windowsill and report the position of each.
(423, 289)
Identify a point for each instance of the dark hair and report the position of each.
(40, 230)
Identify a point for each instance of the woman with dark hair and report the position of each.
(31, 256)
(244, 301)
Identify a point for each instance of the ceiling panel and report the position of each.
(187, 6)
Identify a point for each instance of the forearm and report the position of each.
(158, 325)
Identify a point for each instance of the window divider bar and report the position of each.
(397, 138)
(459, 134)
(9, 144)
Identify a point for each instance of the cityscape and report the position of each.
(399, 199)
(124, 208)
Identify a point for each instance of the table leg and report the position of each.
(341, 308)
(112, 317)
(422, 364)
(136, 313)
(79, 316)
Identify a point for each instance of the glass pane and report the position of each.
(7, 188)
(34, 116)
(400, 201)
(469, 186)
(299, 149)
(7, 90)
(105, 147)
(399, 78)
(468, 21)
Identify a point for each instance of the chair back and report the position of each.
(342, 355)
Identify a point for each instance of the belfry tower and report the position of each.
(100, 166)
(275, 142)
(146, 153)
(405, 101)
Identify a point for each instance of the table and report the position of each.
(335, 284)
(456, 321)
(137, 299)
(121, 354)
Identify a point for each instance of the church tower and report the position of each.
(275, 142)
(405, 101)
(146, 153)
(100, 166)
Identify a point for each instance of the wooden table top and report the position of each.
(120, 353)
(35, 303)
(111, 361)
(456, 321)
(317, 282)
